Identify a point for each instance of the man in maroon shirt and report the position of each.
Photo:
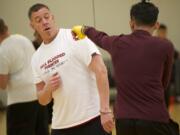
(142, 66)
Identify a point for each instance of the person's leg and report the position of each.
(67, 131)
(42, 126)
(50, 110)
(125, 127)
(152, 128)
(92, 127)
(20, 119)
(58, 132)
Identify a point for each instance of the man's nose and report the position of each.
(44, 21)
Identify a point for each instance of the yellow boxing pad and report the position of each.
(78, 31)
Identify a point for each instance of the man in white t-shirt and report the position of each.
(16, 77)
(74, 75)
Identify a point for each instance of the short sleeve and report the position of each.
(36, 76)
(85, 49)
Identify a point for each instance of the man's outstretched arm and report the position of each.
(100, 38)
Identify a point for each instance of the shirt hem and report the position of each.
(77, 123)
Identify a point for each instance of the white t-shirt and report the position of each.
(15, 59)
(78, 100)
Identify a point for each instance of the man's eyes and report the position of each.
(40, 19)
(46, 16)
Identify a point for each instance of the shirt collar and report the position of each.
(141, 32)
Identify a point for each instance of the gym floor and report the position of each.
(174, 112)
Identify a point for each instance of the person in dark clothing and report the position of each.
(142, 67)
(177, 78)
(162, 32)
(37, 42)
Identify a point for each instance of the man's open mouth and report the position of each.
(46, 29)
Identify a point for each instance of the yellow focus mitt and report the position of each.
(78, 32)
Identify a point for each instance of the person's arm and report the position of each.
(100, 38)
(168, 67)
(45, 90)
(98, 67)
(3, 81)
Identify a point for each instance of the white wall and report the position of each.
(111, 16)
(67, 13)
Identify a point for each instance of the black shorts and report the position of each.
(92, 127)
(27, 118)
(142, 127)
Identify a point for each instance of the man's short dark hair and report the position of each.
(162, 26)
(35, 8)
(3, 27)
(144, 13)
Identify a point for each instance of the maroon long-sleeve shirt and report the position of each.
(142, 66)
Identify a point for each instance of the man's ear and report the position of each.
(32, 26)
(131, 23)
(157, 24)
